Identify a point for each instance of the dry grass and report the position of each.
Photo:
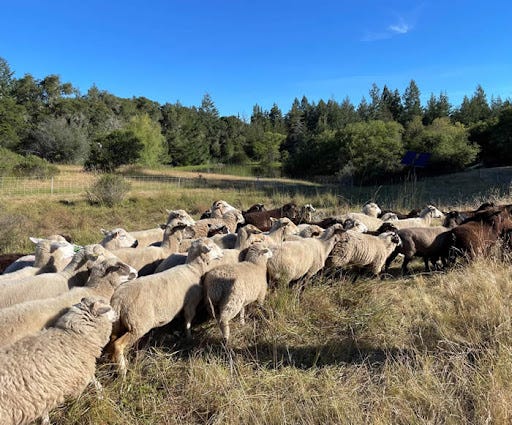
(427, 349)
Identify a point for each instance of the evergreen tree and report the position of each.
(411, 103)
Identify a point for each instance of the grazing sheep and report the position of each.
(231, 287)
(293, 260)
(20, 320)
(261, 219)
(419, 241)
(372, 209)
(146, 260)
(40, 371)
(424, 220)
(118, 238)
(363, 251)
(454, 218)
(151, 301)
(48, 285)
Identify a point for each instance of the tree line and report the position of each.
(51, 119)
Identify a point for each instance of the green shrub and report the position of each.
(33, 166)
(109, 190)
(8, 160)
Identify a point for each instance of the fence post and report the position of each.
(51, 187)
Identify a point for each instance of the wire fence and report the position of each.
(79, 185)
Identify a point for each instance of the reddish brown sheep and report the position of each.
(261, 219)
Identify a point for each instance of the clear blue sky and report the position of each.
(247, 52)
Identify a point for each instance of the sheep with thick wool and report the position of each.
(362, 250)
(231, 287)
(119, 238)
(151, 301)
(371, 209)
(146, 260)
(27, 318)
(293, 260)
(40, 371)
(424, 220)
(231, 219)
(50, 256)
(49, 285)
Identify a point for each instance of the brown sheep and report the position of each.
(261, 219)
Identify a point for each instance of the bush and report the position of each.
(33, 166)
(109, 190)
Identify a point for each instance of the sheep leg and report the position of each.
(45, 419)
(228, 311)
(98, 387)
(427, 267)
(120, 345)
(242, 316)
(390, 259)
(405, 271)
(189, 312)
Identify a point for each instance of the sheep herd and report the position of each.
(66, 305)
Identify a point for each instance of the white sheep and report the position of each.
(231, 219)
(151, 301)
(293, 260)
(372, 223)
(30, 259)
(424, 220)
(147, 259)
(219, 208)
(48, 285)
(362, 250)
(40, 371)
(27, 318)
(355, 225)
(50, 256)
(371, 209)
(119, 238)
(231, 287)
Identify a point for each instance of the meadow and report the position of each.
(424, 349)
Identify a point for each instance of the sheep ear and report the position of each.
(104, 231)
(35, 240)
(205, 248)
(273, 220)
(99, 308)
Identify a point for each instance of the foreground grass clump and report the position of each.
(427, 349)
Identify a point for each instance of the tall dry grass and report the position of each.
(426, 349)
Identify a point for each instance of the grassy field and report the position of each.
(425, 349)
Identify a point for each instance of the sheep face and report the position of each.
(87, 314)
(389, 217)
(179, 216)
(433, 211)
(372, 209)
(205, 248)
(111, 266)
(119, 238)
(219, 208)
(392, 237)
(278, 223)
(290, 210)
(356, 225)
